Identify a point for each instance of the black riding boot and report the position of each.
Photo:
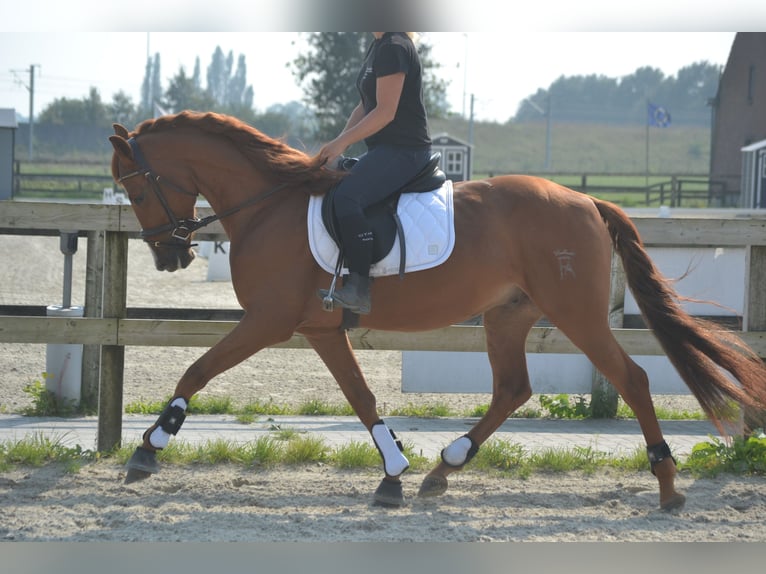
(357, 248)
(355, 294)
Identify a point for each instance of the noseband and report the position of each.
(180, 229)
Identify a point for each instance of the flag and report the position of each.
(659, 117)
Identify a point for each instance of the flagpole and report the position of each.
(646, 166)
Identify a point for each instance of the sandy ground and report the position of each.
(310, 503)
(318, 504)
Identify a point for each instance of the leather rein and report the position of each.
(180, 228)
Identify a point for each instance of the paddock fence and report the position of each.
(107, 328)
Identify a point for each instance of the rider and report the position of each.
(391, 119)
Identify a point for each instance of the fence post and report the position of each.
(113, 356)
(94, 295)
(674, 199)
(604, 396)
(755, 313)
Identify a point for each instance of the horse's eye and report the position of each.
(138, 200)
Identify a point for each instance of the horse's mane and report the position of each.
(286, 164)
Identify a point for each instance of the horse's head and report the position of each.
(165, 210)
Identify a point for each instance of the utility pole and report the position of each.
(465, 73)
(547, 113)
(31, 89)
(470, 122)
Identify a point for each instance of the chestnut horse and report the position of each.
(510, 233)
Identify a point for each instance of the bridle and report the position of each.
(180, 229)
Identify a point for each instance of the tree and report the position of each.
(88, 111)
(184, 94)
(623, 100)
(698, 82)
(122, 110)
(218, 73)
(227, 87)
(328, 74)
(151, 88)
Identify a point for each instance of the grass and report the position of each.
(740, 457)
(288, 446)
(503, 456)
(37, 450)
(625, 412)
(581, 148)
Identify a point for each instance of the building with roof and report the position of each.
(8, 126)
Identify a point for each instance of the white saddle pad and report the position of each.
(429, 230)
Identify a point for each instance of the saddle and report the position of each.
(382, 216)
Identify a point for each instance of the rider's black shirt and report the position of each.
(394, 52)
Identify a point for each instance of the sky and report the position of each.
(498, 69)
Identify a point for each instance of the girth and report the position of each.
(382, 216)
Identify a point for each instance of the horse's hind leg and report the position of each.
(335, 350)
(596, 340)
(506, 328)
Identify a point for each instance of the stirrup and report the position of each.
(328, 304)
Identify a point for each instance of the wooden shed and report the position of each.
(456, 156)
(8, 127)
(754, 175)
(739, 110)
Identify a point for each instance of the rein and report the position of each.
(180, 229)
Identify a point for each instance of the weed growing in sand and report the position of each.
(560, 407)
(739, 456)
(45, 403)
(303, 449)
(38, 449)
(356, 454)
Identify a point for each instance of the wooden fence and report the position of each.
(106, 326)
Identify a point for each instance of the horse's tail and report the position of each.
(695, 346)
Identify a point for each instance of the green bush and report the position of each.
(741, 456)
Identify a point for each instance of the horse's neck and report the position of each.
(241, 207)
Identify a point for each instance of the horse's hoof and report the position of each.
(135, 475)
(675, 502)
(433, 486)
(141, 465)
(389, 494)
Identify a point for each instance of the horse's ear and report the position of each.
(120, 130)
(121, 147)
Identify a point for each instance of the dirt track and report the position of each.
(321, 504)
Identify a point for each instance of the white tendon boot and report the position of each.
(459, 452)
(394, 461)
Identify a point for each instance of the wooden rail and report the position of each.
(110, 227)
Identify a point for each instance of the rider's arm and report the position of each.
(388, 90)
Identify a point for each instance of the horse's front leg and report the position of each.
(335, 350)
(239, 344)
